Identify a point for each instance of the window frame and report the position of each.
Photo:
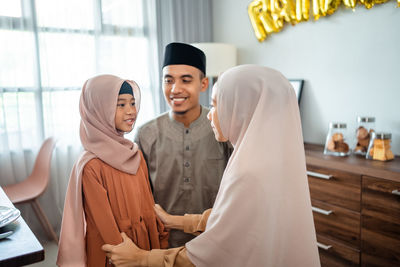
(23, 23)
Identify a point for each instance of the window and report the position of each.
(49, 48)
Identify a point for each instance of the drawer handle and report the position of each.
(319, 175)
(318, 210)
(325, 247)
(396, 192)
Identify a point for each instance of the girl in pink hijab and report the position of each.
(262, 214)
(109, 190)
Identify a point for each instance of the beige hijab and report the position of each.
(262, 215)
(100, 139)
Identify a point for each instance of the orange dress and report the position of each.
(114, 202)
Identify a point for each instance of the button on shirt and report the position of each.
(185, 164)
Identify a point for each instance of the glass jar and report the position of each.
(380, 147)
(366, 126)
(336, 140)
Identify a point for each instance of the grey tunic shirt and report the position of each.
(185, 165)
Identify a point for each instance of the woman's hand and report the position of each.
(169, 221)
(126, 253)
(163, 215)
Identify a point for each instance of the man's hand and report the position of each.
(126, 254)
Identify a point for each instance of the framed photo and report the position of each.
(298, 87)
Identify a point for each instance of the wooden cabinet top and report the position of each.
(389, 170)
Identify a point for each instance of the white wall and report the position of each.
(349, 60)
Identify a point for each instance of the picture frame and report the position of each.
(297, 85)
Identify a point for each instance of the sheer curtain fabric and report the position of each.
(48, 49)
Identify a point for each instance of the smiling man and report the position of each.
(184, 160)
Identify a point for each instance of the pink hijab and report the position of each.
(262, 215)
(100, 139)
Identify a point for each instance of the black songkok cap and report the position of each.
(126, 88)
(185, 54)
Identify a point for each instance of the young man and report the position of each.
(184, 160)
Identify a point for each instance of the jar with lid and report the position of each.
(366, 126)
(336, 140)
(380, 147)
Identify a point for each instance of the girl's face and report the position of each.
(125, 115)
(213, 117)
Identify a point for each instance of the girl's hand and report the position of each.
(126, 254)
(169, 221)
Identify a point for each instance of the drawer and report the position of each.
(380, 242)
(334, 254)
(380, 222)
(380, 198)
(335, 187)
(337, 223)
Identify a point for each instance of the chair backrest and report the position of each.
(40, 175)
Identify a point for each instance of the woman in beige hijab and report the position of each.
(262, 215)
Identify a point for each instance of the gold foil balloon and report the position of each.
(254, 9)
(291, 11)
(268, 16)
(277, 20)
(322, 8)
(274, 10)
(270, 25)
(270, 4)
(265, 17)
(316, 9)
(286, 10)
(265, 5)
(302, 10)
(370, 3)
(367, 3)
(380, 1)
(331, 6)
(350, 3)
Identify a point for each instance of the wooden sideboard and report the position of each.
(356, 208)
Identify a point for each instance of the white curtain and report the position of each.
(48, 48)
